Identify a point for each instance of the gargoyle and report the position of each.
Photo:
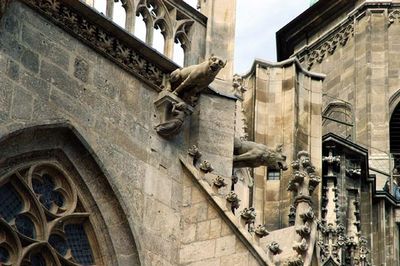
(173, 126)
(251, 154)
(191, 80)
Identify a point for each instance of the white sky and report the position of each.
(257, 21)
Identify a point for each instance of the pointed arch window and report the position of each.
(119, 14)
(42, 219)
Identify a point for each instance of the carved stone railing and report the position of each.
(103, 36)
(173, 18)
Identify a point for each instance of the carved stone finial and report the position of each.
(233, 199)
(206, 166)
(301, 247)
(219, 182)
(189, 81)
(331, 160)
(251, 154)
(304, 230)
(237, 84)
(248, 214)
(296, 261)
(308, 216)
(194, 152)
(274, 248)
(261, 230)
(303, 169)
(292, 215)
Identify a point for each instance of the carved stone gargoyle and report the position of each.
(180, 94)
(189, 81)
(172, 112)
(251, 154)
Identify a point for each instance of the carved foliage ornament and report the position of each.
(329, 46)
(42, 221)
(101, 40)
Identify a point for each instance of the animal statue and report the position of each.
(251, 154)
(173, 126)
(193, 79)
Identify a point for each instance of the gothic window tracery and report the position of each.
(42, 221)
(158, 23)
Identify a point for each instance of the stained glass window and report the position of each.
(79, 244)
(40, 205)
(11, 203)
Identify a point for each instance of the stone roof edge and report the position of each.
(313, 18)
(357, 13)
(290, 61)
(282, 36)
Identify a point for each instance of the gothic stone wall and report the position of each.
(286, 102)
(363, 70)
(47, 77)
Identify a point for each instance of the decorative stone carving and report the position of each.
(219, 182)
(261, 230)
(233, 199)
(296, 261)
(238, 88)
(308, 216)
(248, 214)
(45, 222)
(274, 248)
(102, 40)
(393, 16)
(251, 154)
(173, 126)
(206, 167)
(301, 247)
(172, 112)
(174, 25)
(189, 81)
(339, 236)
(321, 51)
(304, 230)
(303, 183)
(195, 153)
(292, 215)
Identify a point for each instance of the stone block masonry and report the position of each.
(48, 77)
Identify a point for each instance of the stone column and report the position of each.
(220, 39)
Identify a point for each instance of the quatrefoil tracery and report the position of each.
(40, 223)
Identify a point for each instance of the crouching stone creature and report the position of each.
(193, 79)
(173, 126)
(251, 154)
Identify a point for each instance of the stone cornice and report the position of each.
(104, 37)
(290, 61)
(339, 34)
(308, 23)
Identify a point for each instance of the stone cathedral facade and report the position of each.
(115, 150)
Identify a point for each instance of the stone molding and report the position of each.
(105, 38)
(339, 34)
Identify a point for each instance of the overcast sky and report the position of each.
(257, 21)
